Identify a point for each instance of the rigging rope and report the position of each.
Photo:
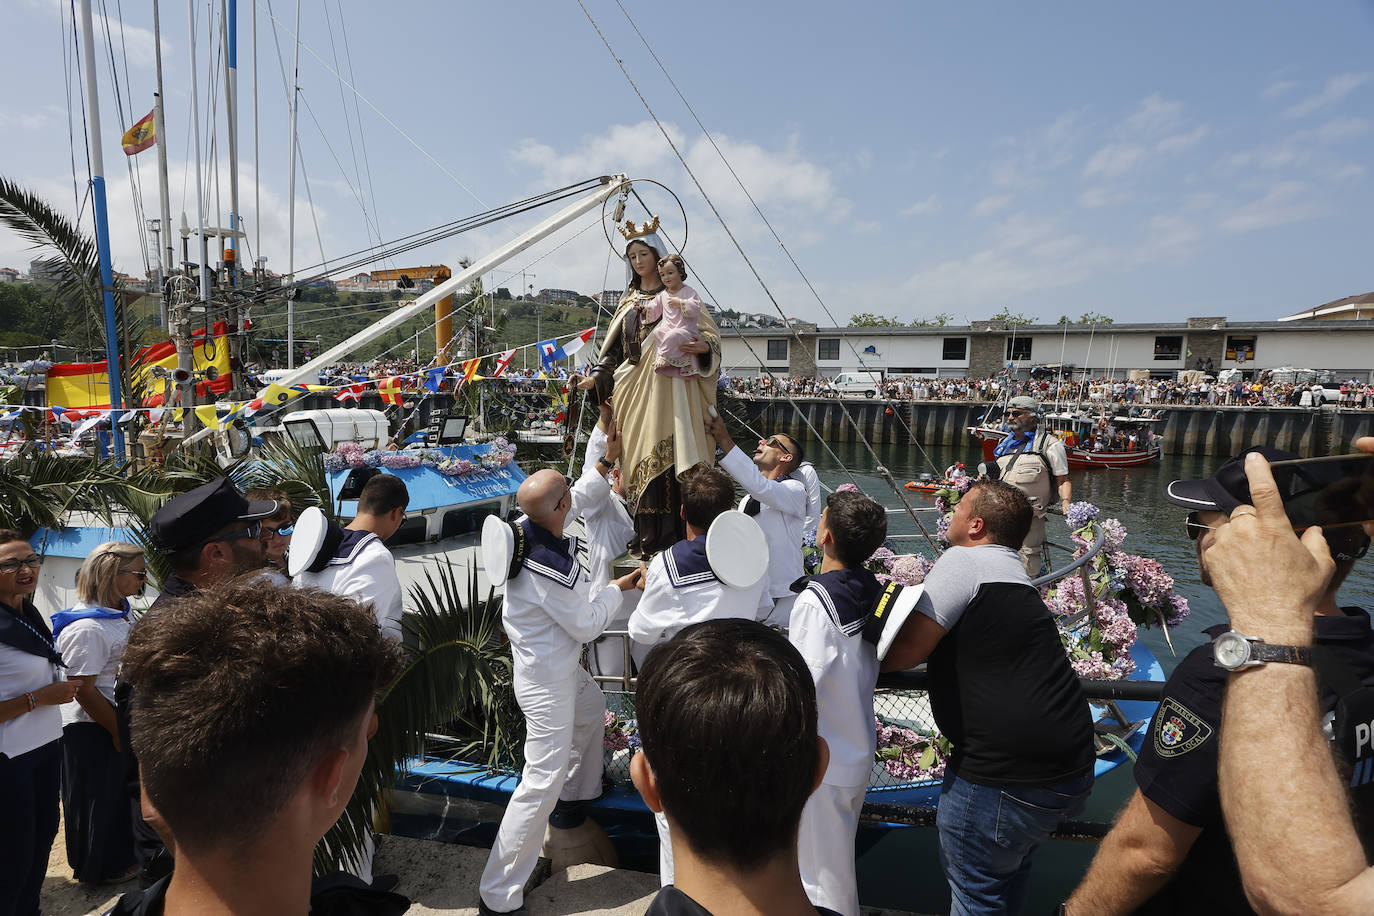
(878, 465)
(781, 245)
(379, 112)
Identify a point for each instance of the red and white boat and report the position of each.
(1085, 445)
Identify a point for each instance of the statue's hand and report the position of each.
(697, 346)
(584, 382)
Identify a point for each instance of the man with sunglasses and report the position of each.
(207, 535)
(1169, 851)
(777, 500)
(1035, 462)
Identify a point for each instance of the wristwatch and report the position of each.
(604, 463)
(1234, 651)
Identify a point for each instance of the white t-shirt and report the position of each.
(92, 647)
(22, 673)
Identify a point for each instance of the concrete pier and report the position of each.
(1201, 430)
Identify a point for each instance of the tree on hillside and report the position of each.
(1011, 317)
(938, 320)
(870, 320)
(1086, 318)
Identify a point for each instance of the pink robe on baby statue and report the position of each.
(677, 329)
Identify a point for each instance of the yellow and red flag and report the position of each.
(391, 390)
(469, 372)
(139, 137)
(87, 385)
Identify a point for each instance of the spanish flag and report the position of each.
(139, 137)
(469, 372)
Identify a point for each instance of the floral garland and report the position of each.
(353, 455)
(1129, 592)
(621, 733)
(908, 755)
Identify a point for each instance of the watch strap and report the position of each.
(604, 463)
(1292, 655)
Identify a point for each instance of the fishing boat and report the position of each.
(1089, 442)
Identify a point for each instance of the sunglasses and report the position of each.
(283, 531)
(1193, 525)
(1016, 413)
(33, 561)
(252, 533)
(775, 442)
(142, 575)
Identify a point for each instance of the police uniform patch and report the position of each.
(1178, 730)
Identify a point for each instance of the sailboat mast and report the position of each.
(102, 222)
(168, 254)
(231, 261)
(291, 204)
(183, 338)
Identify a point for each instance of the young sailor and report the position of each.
(681, 588)
(827, 627)
(551, 609)
(609, 530)
(360, 566)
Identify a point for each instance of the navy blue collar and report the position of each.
(552, 557)
(848, 596)
(24, 629)
(686, 564)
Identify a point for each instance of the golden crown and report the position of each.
(632, 232)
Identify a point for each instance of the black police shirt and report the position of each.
(1177, 766)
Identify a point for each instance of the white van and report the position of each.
(867, 384)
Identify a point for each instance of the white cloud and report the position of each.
(32, 120)
(991, 204)
(1278, 88)
(1182, 141)
(1346, 172)
(1334, 131)
(1282, 204)
(1154, 116)
(1038, 152)
(1114, 160)
(1336, 89)
(131, 41)
(1093, 198)
(921, 206)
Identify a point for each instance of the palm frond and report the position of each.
(77, 257)
(460, 671)
(39, 490)
(297, 470)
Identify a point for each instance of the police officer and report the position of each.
(1034, 461)
(1169, 851)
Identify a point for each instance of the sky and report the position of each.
(1148, 162)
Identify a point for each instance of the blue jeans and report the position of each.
(988, 834)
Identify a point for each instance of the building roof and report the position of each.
(1356, 307)
(1172, 327)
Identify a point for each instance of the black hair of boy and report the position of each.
(857, 524)
(727, 717)
(706, 493)
(239, 689)
(382, 494)
(1005, 510)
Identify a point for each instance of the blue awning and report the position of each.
(77, 542)
(430, 489)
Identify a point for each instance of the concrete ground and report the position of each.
(439, 878)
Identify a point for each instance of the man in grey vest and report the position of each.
(1034, 461)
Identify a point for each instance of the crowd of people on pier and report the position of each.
(1351, 393)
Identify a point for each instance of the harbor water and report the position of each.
(901, 870)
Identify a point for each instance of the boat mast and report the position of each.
(167, 255)
(230, 14)
(185, 364)
(102, 224)
(291, 203)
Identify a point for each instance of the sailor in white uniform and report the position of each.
(609, 530)
(827, 626)
(681, 588)
(358, 565)
(551, 609)
(778, 503)
(806, 473)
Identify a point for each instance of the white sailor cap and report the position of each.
(504, 548)
(737, 549)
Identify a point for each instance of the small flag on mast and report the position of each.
(139, 137)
